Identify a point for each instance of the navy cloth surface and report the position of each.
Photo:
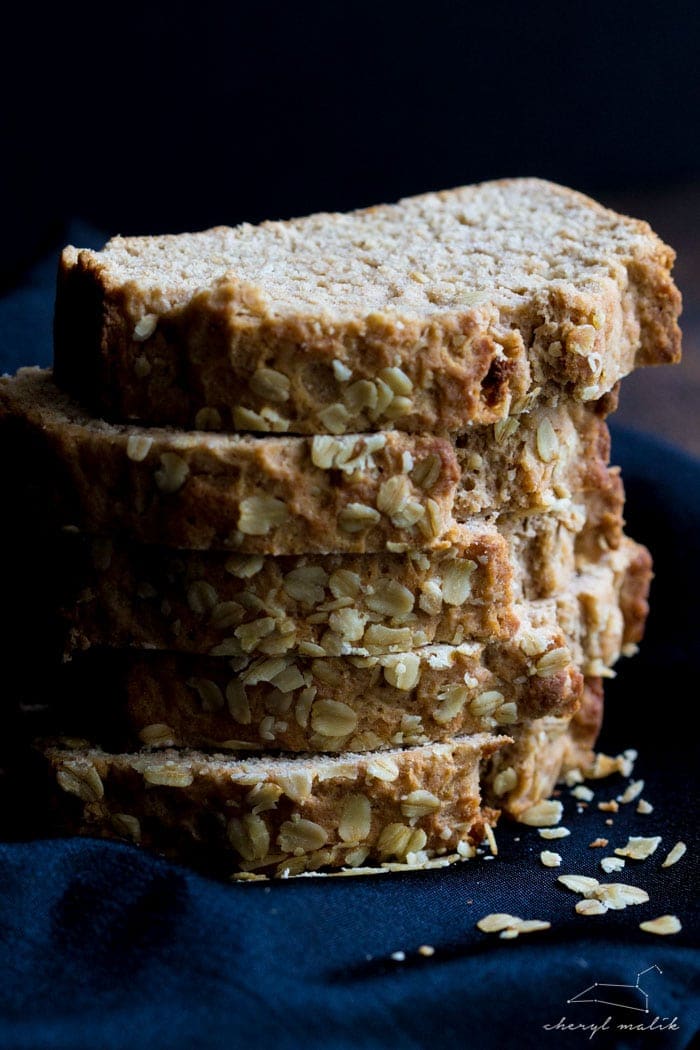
(104, 946)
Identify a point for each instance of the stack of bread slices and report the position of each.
(346, 552)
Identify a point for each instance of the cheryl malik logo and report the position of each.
(631, 997)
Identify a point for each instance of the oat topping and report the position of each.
(543, 814)
(631, 792)
(145, 328)
(675, 854)
(510, 926)
(138, 446)
(611, 864)
(663, 926)
(172, 473)
(82, 780)
(553, 833)
(639, 848)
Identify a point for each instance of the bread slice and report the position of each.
(282, 815)
(435, 313)
(122, 595)
(287, 495)
(119, 595)
(524, 772)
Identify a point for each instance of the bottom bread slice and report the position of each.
(279, 815)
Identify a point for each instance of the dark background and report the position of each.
(147, 118)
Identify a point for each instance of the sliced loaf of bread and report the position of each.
(129, 596)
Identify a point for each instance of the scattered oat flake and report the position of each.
(427, 950)
(582, 793)
(523, 926)
(631, 792)
(543, 814)
(614, 895)
(590, 907)
(491, 839)
(549, 859)
(597, 843)
(398, 956)
(579, 883)
(604, 765)
(644, 807)
(639, 848)
(611, 864)
(609, 822)
(497, 921)
(675, 854)
(617, 895)
(553, 833)
(573, 776)
(532, 925)
(609, 807)
(664, 925)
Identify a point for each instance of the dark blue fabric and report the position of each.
(102, 946)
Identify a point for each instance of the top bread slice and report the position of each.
(435, 313)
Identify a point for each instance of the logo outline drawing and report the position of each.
(592, 989)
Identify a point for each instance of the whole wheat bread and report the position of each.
(288, 495)
(283, 815)
(435, 313)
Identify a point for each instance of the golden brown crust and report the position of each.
(634, 595)
(280, 816)
(586, 725)
(136, 346)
